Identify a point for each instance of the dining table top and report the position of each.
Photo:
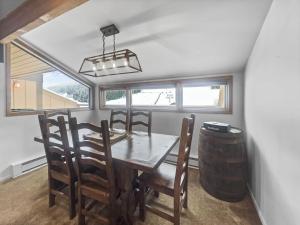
(136, 150)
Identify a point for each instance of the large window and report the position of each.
(209, 95)
(36, 85)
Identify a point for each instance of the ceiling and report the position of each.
(6, 6)
(171, 37)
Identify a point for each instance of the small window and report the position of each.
(204, 96)
(153, 97)
(115, 97)
(35, 85)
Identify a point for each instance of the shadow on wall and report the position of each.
(266, 186)
(254, 167)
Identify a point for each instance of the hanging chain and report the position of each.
(114, 43)
(103, 45)
(114, 47)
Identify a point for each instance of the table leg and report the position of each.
(126, 182)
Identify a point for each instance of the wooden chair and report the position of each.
(61, 175)
(51, 114)
(148, 124)
(170, 179)
(113, 119)
(98, 186)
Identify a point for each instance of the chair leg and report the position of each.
(112, 215)
(51, 196)
(72, 201)
(51, 199)
(185, 200)
(177, 210)
(142, 202)
(156, 194)
(185, 190)
(81, 206)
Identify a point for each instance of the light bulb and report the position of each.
(103, 65)
(125, 63)
(94, 67)
(17, 85)
(114, 64)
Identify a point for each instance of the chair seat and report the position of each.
(162, 179)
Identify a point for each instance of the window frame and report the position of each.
(178, 84)
(205, 83)
(39, 54)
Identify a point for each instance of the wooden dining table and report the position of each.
(137, 151)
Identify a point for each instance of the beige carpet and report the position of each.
(24, 201)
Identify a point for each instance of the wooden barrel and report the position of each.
(223, 164)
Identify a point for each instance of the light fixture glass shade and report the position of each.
(113, 63)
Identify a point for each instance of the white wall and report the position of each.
(272, 115)
(170, 122)
(17, 133)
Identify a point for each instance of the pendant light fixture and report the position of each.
(112, 63)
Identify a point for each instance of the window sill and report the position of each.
(10, 113)
(189, 110)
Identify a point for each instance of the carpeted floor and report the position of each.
(24, 201)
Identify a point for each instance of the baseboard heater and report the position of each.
(23, 167)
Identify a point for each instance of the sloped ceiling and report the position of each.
(170, 37)
(6, 6)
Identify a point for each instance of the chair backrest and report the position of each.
(146, 114)
(51, 114)
(118, 113)
(186, 136)
(96, 156)
(56, 144)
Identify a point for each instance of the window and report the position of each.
(36, 85)
(203, 96)
(153, 97)
(207, 95)
(115, 97)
